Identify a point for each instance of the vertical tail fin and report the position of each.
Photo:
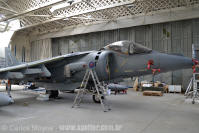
(10, 60)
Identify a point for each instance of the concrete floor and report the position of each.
(130, 113)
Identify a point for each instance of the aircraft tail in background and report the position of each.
(10, 60)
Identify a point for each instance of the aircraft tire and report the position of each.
(53, 93)
(96, 99)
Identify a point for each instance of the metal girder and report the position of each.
(37, 14)
(87, 2)
(6, 9)
(46, 5)
(59, 17)
(6, 4)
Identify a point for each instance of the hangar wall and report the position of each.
(170, 37)
(40, 49)
(20, 47)
(26, 50)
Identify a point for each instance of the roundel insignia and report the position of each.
(91, 64)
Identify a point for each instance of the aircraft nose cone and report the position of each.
(174, 62)
(183, 62)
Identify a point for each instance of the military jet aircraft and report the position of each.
(118, 60)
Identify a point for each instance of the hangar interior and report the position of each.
(48, 29)
(58, 42)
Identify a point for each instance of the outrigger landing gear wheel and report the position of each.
(53, 93)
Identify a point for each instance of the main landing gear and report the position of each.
(53, 94)
(96, 97)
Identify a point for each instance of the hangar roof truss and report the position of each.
(38, 15)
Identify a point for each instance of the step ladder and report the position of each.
(192, 89)
(98, 89)
(188, 90)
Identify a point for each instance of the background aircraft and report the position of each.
(117, 60)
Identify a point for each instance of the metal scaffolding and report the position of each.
(43, 16)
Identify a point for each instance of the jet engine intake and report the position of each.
(103, 61)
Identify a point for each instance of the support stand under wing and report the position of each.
(8, 88)
(98, 88)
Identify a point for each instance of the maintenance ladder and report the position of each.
(99, 89)
(193, 93)
(192, 89)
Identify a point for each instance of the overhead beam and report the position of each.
(46, 5)
(86, 1)
(6, 4)
(32, 15)
(182, 13)
(60, 17)
(85, 18)
(6, 9)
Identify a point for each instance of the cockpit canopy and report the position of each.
(128, 47)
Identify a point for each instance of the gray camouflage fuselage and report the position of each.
(120, 66)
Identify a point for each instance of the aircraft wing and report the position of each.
(37, 67)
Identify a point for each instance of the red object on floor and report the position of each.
(125, 91)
